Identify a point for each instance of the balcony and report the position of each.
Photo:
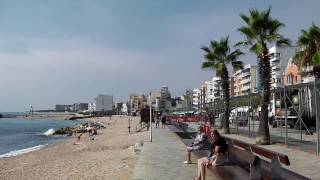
(246, 81)
(245, 88)
(245, 74)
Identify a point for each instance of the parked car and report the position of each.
(279, 118)
(239, 116)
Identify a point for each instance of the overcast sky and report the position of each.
(68, 51)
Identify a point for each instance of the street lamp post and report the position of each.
(150, 117)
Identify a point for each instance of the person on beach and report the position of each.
(78, 140)
(92, 131)
(199, 143)
(163, 121)
(216, 157)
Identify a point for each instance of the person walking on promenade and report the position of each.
(216, 157)
(199, 143)
(157, 121)
(163, 121)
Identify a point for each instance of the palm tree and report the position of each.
(261, 30)
(309, 55)
(217, 57)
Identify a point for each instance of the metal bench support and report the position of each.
(255, 170)
(275, 168)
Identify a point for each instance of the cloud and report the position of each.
(64, 53)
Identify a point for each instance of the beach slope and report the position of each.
(110, 155)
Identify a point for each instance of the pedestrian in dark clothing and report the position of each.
(163, 121)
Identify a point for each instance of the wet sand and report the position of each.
(110, 156)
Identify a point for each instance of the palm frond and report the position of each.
(218, 56)
(236, 65)
(248, 32)
(242, 43)
(208, 65)
(219, 67)
(283, 41)
(257, 48)
(316, 58)
(233, 56)
(254, 13)
(298, 58)
(205, 49)
(309, 42)
(245, 18)
(261, 28)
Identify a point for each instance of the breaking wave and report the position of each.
(49, 132)
(22, 151)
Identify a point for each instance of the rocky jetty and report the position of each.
(79, 128)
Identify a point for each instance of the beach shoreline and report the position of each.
(111, 155)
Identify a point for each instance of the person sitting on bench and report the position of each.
(199, 143)
(216, 157)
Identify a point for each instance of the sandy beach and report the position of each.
(110, 156)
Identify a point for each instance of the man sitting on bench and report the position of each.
(216, 156)
(199, 143)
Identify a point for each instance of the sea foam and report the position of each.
(22, 151)
(49, 132)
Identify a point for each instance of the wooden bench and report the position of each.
(233, 169)
(249, 161)
(269, 162)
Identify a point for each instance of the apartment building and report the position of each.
(245, 80)
(195, 98)
(165, 99)
(63, 108)
(279, 57)
(136, 102)
(80, 107)
(104, 103)
(291, 74)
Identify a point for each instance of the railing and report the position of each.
(179, 118)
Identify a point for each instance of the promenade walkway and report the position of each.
(163, 158)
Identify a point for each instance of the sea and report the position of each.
(19, 136)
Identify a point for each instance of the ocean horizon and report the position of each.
(19, 136)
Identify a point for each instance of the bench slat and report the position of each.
(241, 154)
(284, 159)
(229, 172)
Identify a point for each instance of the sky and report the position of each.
(63, 52)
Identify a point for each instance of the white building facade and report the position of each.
(279, 57)
(209, 91)
(103, 103)
(195, 98)
(245, 80)
(217, 88)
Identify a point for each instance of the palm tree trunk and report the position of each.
(226, 96)
(263, 136)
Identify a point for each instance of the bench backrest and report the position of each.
(241, 154)
(284, 159)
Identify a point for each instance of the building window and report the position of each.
(271, 55)
(290, 79)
